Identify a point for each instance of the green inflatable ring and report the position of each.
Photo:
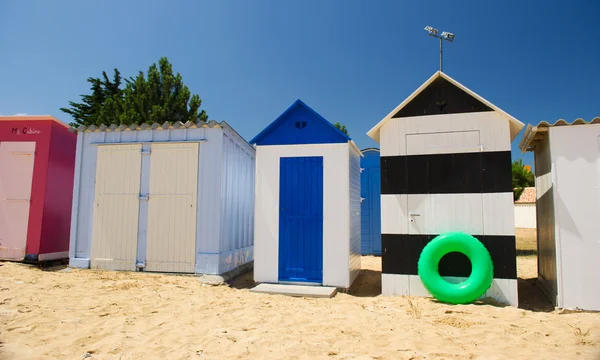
(472, 288)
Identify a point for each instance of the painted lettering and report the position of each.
(30, 131)
(25, 131)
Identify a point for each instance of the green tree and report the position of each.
(341, 127)
(158, 97)
(104, 91)
(522, 177)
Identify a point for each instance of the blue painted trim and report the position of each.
(266, 137)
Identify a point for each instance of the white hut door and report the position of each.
(171, 243)
(116, 207)
(16, 176)
(445, 200)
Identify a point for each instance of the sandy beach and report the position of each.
(65, 314)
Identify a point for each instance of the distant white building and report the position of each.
(525, 209)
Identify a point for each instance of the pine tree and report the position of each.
(341, 127)
(159, 97)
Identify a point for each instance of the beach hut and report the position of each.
(567, 182)
(37, 156)
(370, 206)
(307, 217)
(446, 166)
(163, 198)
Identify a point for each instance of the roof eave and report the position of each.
(353, 145)
(34, 118)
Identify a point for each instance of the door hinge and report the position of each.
(146, 151)
(144, 197)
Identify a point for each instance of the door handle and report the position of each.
(413, 214)
(7, 199)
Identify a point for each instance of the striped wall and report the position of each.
(443, 173)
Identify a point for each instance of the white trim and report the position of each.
(76, 191)
(53, 256)
(516, 125)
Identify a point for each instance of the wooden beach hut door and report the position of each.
(116, 207)
(370, 210)
(301, 219)
(171, 239)
(16, 176)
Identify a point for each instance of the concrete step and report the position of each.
(296, 290)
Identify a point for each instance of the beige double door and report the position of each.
(170, 241)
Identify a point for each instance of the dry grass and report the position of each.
(414, 309)
(580, 335)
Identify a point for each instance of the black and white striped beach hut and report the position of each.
(446, 166)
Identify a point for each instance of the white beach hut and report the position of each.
(307, 217)
(446, 166)
(165, 198)
(567, 181)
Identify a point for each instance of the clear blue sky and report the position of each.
(352, 61)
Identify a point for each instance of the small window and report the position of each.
(301, 124)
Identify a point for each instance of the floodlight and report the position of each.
(444, 36)
(448, 36)
(432, 31)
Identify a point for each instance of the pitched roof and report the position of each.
(164, 126)
(515, 125)
(148, 126)
(527, 197)
(533, 134)
(289, 128)
(33, 118)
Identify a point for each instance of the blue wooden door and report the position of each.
(301, 219)
(370, 209)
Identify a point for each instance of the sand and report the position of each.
(58, 314)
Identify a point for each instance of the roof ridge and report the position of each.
(149, 126)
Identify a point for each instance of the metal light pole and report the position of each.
(444, 36)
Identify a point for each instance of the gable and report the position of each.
(442, 105)
(441, 97)
(300, 124)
